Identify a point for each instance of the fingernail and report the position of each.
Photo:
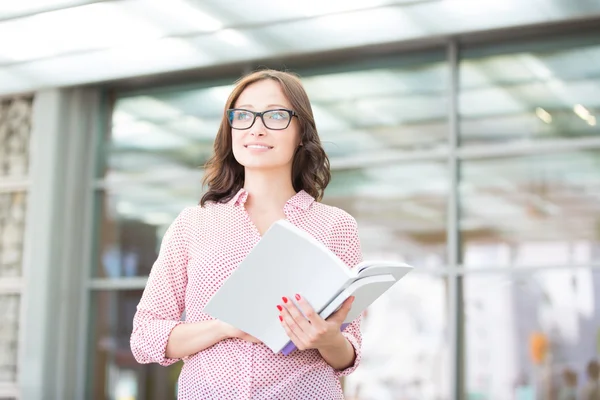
(297, 297)
(281, 318)
(279, 308)
(285, 300)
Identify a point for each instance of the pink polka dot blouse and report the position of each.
(199, 251)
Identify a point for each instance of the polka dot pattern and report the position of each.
(199, 251)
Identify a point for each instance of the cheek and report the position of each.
(293, 141)
(291, 144)
(237, 140)
(237, 146)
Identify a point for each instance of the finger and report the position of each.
(246, 336)
(298, 319)
(250, 338)
(255, 340)
(291, 322)
(291, 334)
(309, 312)
(340, 315)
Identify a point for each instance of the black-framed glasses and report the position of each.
(277, 119)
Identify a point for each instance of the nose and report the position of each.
(258, 129)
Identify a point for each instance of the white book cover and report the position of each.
(286, 261)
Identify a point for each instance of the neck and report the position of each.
(268, 190)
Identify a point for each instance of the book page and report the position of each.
(283, 263)
(373, 268)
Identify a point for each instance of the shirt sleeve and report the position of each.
(163, 300)
(352, 256)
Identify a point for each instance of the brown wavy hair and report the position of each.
(310, 168)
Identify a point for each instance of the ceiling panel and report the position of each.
(12, 9)
(176, 17)
(164, 54)
(118, 39)
(231, 45)
(74, 29)
(267, 11)
(345, 30)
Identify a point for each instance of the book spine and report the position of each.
(290, 347)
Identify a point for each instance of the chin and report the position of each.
(261, 165)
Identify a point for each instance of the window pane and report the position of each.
(163, 134)
(9, 335)
(387, 106)
(526, 333)
(400, 210)
(15, 127)
(401, 221)
(132, 220)
(532, 92)
(414, 312)
(537, 210)
(405, 353)
(113, 373)
(387, 110)
(12, 227)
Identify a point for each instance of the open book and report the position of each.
(289, 260)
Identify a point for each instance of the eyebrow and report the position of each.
(268, 106)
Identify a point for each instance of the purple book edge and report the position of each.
(291, 346)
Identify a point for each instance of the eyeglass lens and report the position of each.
(275, 119)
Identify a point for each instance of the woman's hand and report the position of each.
(229, 331)
(310, 331)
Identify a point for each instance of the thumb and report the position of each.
(340, 315)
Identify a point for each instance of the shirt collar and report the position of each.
(239, 198)
(300, 200)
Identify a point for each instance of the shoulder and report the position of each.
(188, 215)
(193, 215)
(340, 230)
(337, 218)
(201, 217)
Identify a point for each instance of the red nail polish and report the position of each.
(297, 297)
(279, 308)
(281, 318)
(285, 300)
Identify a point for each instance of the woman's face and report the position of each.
(259, 147)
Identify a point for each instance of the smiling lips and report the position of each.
(258, 146)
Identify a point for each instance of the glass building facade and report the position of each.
(476, 161)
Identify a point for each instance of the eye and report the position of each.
(241, 115)
(278, 115)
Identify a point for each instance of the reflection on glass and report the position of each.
(9, 337)
(405, 355)
(537, 210)
(113, 373)
(393, 109)
(13, 208)
(164, 134)
(400, 107)
(400, 210)
(404, 349)
(132, 220)
(531, 333)
(15, 129)
(535, 92)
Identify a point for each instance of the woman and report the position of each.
(591, 389)
(568, 389)
(268, 164)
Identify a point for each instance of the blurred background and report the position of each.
(463, 136)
